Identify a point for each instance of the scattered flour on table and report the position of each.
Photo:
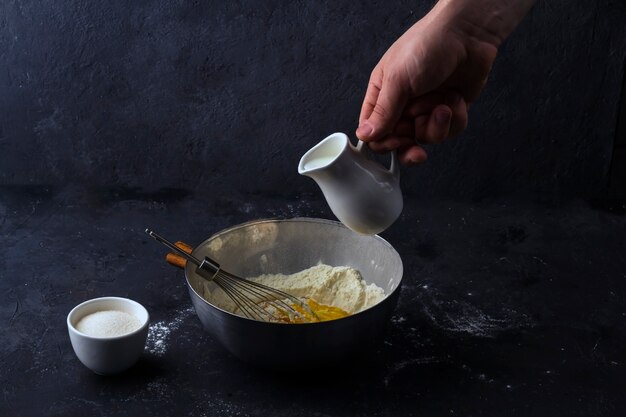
(400, 366)
(338, 286)
(159, 333)
(218, 407)
(459, 316)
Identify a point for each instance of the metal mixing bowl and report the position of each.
(289, 246)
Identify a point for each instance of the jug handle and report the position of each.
(394, 168)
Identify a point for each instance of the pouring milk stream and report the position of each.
(364, 195)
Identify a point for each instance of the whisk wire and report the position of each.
(269, 294)
(262, 294)
(241, 290)
(246, 306)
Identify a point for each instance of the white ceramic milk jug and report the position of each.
(364, 195)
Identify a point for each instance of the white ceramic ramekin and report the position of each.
(108, 355)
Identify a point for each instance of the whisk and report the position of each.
(254, 300)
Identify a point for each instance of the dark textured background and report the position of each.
(215, 96)
(190, 117)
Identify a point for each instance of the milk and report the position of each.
(319, 162)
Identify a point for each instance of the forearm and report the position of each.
(490, 21)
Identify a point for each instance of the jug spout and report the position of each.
(322, 155)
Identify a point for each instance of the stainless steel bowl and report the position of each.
(288, 246)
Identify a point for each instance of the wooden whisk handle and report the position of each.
(177, 260)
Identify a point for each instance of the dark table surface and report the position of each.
(507, 309)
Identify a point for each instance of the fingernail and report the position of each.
(414, 161)
(364, 130)
(442, 117)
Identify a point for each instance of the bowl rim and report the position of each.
(298, 220)
(73, 311)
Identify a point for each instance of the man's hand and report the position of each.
(421, 89)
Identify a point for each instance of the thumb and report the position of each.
(384, 114)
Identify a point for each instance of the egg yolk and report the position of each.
(321, 312)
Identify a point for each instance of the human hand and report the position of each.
(421, 89)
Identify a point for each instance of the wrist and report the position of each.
(484, 21)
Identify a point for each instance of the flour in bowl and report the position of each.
(337, 286)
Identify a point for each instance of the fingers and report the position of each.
(403, 135)
(423, 105)
(445, 120)
(371, 95)
(435, 127)
(381, 110)
(409, 152)
(430, 119)
(459, 117)
(412, 155)
(390, 143)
